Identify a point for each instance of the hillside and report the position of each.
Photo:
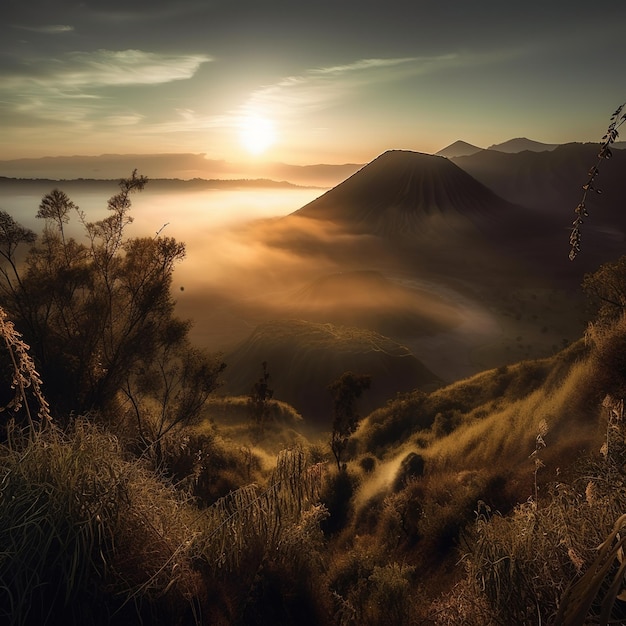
(304, 357)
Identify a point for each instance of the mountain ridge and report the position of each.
(521, 144)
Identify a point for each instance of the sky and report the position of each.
(329, 81)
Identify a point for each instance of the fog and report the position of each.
(247, 263)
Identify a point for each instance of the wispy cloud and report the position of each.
(320, 87)
(50, 29)
(293, 97)
(102, 68)
(68, 88)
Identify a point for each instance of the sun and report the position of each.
(257, 134)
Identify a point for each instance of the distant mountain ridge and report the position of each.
(521, 144)
(462, 148)
(458, 148)
(171, 166)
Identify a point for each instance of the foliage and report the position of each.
(606, 290)
(91, 537)
(259, 400)
(169, 391)
(608, 355)
(563, 558)
(617, 119)
(99, 316)
(86, 533)
(345, 391)
(25, 385)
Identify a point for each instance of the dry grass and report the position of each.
(82, 527)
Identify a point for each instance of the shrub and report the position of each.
(412, 466)
(369, 590)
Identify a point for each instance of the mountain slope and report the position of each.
(304, 357)
(550, 182)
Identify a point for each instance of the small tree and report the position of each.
(345, 391)
(259, 400)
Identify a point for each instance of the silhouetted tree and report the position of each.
(259, 400)
(345, 391)
(99, 316)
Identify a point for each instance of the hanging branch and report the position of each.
(617, 119)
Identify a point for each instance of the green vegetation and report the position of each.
(131, 493)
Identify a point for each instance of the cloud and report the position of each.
(324, 87)
(318, 88)
(66, 88)
(50, 29)
(102, 68)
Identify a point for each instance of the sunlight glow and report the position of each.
(257, 134)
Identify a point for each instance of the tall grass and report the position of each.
(24, 378)
(253, 521)
(84, 532)
(507, 435)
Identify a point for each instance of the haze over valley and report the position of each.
(461, 262)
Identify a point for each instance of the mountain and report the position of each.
(403, 194)
(458, 148)
(429, 212)
(304, 357)
(549, 180)
(521, 144)
(550, 183)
